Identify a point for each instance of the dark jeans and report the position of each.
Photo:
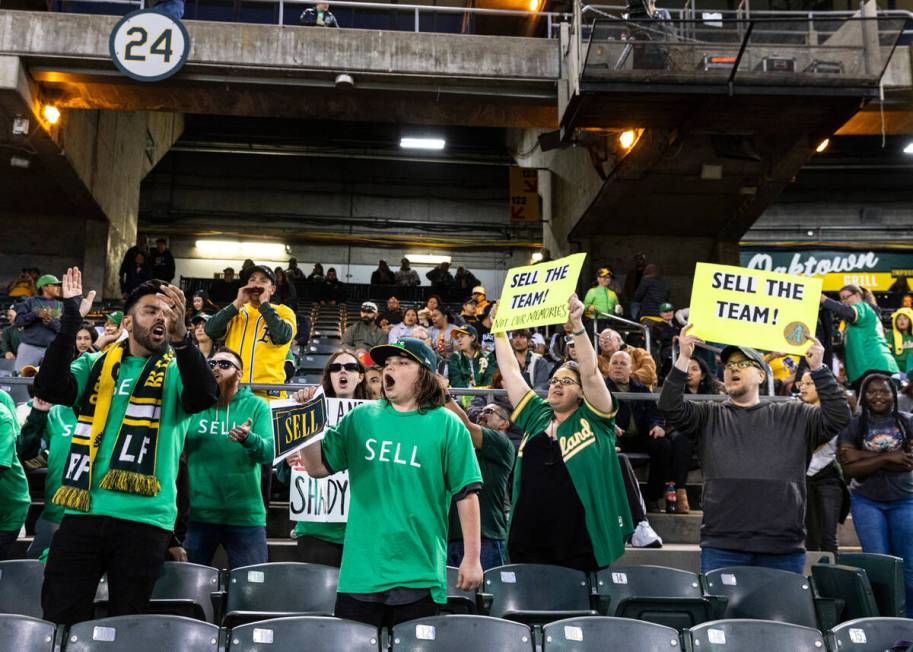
(822, 512)
(714, 558)
(7, 539)
(312, 550)
(87, 547)
(492, 554)
(383, 615)
(632, 490)
(244, 545)
(670, 457)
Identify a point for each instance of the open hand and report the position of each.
(176, 310)
(240, 433)
(304, 395)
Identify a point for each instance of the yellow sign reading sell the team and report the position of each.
(536, 295)
(749, 307)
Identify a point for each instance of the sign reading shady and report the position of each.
(296, 425)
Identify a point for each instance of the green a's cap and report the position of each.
(408, 347)
(47, 279)
(117, 317)
(468, 329)
(666, 307)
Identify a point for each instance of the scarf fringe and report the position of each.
(72, 497)
(131, 482)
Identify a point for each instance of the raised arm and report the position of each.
(684, 416)
(475, 430)
(834, 414)
(844, 312)
(310, 456)
(280, 331)
(511, 377)
(594, 387)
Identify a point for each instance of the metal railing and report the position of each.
(627, 322)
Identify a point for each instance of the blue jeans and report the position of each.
(171, 8)
(886, 528)
(244, 544)
(714, 558)
(492, 553)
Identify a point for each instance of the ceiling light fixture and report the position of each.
(427, 259)
(51, 113)
(232, 249)
(909, 148)
(410, 142)
(823, 145)
(627, 138)
(536, 257)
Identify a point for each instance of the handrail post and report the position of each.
(417, 22)
(281, 12)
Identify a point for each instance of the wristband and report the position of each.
(182, 343)
(582, 331)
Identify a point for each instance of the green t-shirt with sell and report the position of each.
(602, 299)
(57, 434)
(463, 371)
(587, 440)
(14, 488)
(160, 510)
(224, 475)
(403, 469)
(496, 460)
(865, 348)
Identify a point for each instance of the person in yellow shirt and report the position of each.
(259, 331)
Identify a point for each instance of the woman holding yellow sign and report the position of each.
(569, 503)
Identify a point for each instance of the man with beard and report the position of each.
(259, 331)
(535, 369)
(754, 456)
(119, 477)
(226, 446)
(642, 363)
(365, 333)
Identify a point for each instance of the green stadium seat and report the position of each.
(26, 633)
(666, 596)
(276, 590)
(536, 593)
(312, 633)
(885, 574)
(20, 587)
(763, 594)
(461, 633)
(849, 586)
(458, 600)
(591, 634)
(743, 635)
(144, 633)
(185, 589)
(870, 634)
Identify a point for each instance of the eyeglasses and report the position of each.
(223, 364)
(336, 367)
(563, 381)
(741, 364)
(845, 297)
(492, 411)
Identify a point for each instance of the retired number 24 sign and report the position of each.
(149, 46)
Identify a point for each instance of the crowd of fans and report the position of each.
(179, 471)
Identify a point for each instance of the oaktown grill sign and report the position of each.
(876, 270)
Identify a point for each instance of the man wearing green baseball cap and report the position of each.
(407, 455)
(39, 318)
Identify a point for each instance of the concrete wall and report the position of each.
(49, 242)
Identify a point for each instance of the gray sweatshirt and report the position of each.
(754, 461)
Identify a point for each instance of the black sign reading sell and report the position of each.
(294, 425)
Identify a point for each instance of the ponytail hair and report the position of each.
(865, 293)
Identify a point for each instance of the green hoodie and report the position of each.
(14, 489)
(224, 475)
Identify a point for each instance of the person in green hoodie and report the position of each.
(902, 341)
(14, 489)
(226, 445)
(54, 424)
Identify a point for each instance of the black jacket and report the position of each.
(646, 416)
(309, 18)
(651, 293)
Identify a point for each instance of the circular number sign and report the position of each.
(149, 46)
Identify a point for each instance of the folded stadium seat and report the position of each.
(591, 633)
(458, 600)
(26, 633)
(849, 587)
(536, 593)
(461, 633)
(870, 634)
(666, 596)
(320, 348)
(276, 590)
(7, 365)
(143, 633)
(753, 636)
(313, 363)
(885, 573)
(763, 594)
(20, 587)
(313, 633)
(185, 589)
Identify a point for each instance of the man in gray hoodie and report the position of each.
(754, 457)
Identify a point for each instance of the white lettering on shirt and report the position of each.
(386, 448)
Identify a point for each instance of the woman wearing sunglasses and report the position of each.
(226, 447)
(569, 503)
(321, 543)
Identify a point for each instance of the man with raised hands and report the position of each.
(119, 477)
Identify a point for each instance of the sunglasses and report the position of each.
(741, 364)
(567, 382)
(492, 411)
(223, 364)
(336, 367)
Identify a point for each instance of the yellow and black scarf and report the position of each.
(132, 465)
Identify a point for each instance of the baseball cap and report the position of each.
(666, 307)
(604, 271)
(478, 290)
(200, 317)
(47, 279)
(263, 269)
(408, 347)
(748, 352)
(468, 329)
(521, 332)
(369, 306)
(117, 317)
